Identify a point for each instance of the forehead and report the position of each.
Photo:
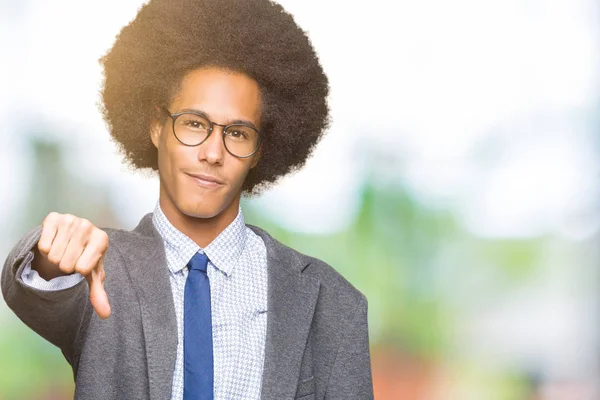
(223, 95)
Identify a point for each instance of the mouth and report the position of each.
(205, 181)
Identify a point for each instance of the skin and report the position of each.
(71, 244)
(201, 213)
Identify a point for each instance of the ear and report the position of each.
(155, 129)
(257, 157)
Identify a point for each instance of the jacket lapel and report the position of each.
(292, 298)
(146, 266)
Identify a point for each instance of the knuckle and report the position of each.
(83, 270)
(102, 234)
(64, 266)
(83, 266)
(85, 224)
(68, 219)
(50, 220)
(54, 259)
(44, 247)
(102, 238)
(50, 217)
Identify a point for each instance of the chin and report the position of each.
(194, 203)
(200, 210)
(204, 206)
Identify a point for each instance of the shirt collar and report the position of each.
(223, 252)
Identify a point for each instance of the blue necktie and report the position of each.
(198, 375)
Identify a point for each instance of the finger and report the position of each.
(98, 296)
(63, 236)
(73, 252)
(49, 230)
(92, 253)
(80, 236)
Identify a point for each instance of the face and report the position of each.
(224, 97)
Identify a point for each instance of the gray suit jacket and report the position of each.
(316, 347)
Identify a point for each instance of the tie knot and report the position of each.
(199, 262)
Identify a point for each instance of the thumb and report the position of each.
(98, 296)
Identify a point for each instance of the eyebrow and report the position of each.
(234, 121)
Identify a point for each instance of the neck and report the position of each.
(201, 230)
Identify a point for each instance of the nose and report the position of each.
(212, 150)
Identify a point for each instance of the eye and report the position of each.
(195, 124)
(192, 123)
(237, 133)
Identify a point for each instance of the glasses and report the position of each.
(193, 128)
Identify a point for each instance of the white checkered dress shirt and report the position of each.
(237, 271)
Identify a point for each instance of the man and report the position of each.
(221, 98)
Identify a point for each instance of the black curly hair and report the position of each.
(168, 38)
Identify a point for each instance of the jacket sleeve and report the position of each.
(58, 315)
(351, 376)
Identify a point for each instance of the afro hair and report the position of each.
(169, 38)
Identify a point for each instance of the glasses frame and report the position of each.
(174, 116)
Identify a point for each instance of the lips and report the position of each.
(207, 181)
(208, 178)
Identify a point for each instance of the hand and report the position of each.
(70, 244)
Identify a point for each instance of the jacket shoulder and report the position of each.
(332, 282)
(143, 232)
(335, 281)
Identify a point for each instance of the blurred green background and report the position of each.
(457, 187)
